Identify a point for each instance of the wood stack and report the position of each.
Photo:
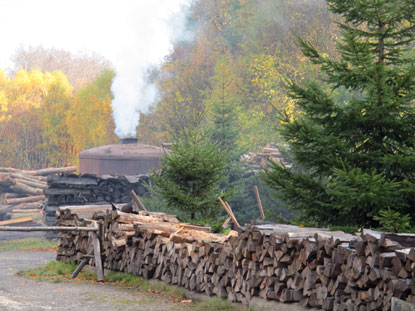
(258, 161)
(313, 267)
(87, 189)
(21, 191)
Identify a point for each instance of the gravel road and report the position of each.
(19, 293)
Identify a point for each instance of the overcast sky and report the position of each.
(106, 27)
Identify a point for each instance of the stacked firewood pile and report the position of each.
(313, 267)
(258, 161)
(22, 190)
(87, 189)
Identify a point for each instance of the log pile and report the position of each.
(313, 267)
(72, 189)
(22, 191)
(258, 161)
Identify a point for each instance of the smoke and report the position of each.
(147, 38)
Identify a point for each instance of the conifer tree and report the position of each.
(356, 156)
(190, 177)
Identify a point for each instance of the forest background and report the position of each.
(54, 104)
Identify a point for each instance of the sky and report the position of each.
(133, 35)
(105, 27)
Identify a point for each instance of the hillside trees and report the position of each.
(80, 69)
(354, 155)
(89, 119)
(37, 115)
(257, 38)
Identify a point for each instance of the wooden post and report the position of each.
(258, 198)
(97, 254)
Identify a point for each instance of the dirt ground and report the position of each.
(19, 293)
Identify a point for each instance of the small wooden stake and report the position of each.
(138, 201)
(258, 198)
(230, 213)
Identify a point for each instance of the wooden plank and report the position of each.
(26, 211)
(15, 221)
(28, 229)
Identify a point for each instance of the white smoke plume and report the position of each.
(147, 38)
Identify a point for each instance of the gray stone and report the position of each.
(401, 305)
(260, 304)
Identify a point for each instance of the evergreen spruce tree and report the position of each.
(190, 177)
(355, 157)
(224, 99)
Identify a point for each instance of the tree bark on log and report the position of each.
(24, 200)
(23, 188)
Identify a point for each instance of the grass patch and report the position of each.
(28, 244)
(215, 304)
(136, 282)
(56, 271)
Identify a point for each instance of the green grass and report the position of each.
(136, 282)
(27, 244)
(56, 271)
(215, 304)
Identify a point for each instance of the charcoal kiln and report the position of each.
(127, 158)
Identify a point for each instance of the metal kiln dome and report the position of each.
(127, 158)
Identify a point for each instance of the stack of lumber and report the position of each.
(258, 161)
(72, 189)
(21, 191)
(313, 267)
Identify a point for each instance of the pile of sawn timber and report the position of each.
(22, 190)
(89, 189)
(314, 267)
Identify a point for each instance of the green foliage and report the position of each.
(190, 177)
(392, 221)
(354, 156)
